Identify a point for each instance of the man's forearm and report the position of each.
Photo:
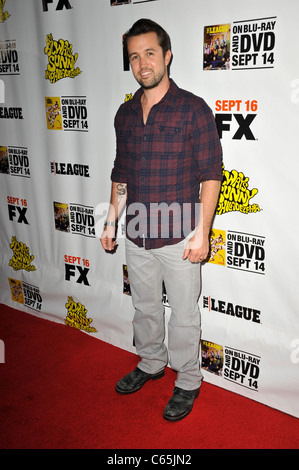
(117, 201)
(197, 249)
(208, 197)
(117, 204)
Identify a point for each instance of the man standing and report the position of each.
(167, 148)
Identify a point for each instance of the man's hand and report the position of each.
(197, 249)
(108, 239)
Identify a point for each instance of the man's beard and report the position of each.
(153, 82)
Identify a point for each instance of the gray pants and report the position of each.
(147, 269)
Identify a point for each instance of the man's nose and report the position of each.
(143, 61)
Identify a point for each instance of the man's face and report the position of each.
(149, 66)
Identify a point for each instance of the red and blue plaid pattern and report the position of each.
(164, 162)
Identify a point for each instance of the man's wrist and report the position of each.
(110, 223)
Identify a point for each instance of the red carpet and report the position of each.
(57, 392)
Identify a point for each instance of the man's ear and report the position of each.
(168, 57)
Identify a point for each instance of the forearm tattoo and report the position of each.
(121, 190)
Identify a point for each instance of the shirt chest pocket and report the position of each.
(126, 140)
(169, 139)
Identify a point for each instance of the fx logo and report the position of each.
(244, 122)
(70, 270)
(16, 211)
(60, 4)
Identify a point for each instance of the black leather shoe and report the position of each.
(180, 404)
(133, 381)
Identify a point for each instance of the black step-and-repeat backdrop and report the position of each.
(62, 79)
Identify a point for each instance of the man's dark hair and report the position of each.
(144, 26)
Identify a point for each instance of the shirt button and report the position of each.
(144, 137)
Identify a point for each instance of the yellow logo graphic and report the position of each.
(4, 165)
(76, 316)
(61, 60)
(217, 244)
(21, 257)
(3, 14)
(16, 291)
(53, 113)
(128, 97)
(235, 195)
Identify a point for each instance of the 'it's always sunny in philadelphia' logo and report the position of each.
(22, 258)
(61, 60)
(235, 195)
(77, 316)
(4, 15)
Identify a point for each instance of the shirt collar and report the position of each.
(169, 98)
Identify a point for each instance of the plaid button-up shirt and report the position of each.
(163, 164)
